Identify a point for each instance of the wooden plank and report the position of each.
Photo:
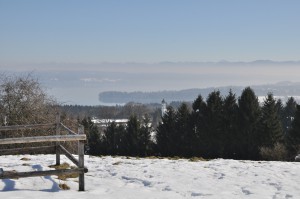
(81, 158)
(28, 126)
(69, 130)
(54, 138)
(6, 175)
(26, 150)
(71, 157)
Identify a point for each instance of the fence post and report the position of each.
(81, 158)
(57, 150)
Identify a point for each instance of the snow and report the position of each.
(106, 122)
(121, 177)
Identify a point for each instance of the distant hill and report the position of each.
(281, 90)
(81, 83)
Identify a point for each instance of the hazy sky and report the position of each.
(149, 45)
(96, 31)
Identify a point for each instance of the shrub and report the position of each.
(276, 153)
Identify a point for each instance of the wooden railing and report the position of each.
(57, 149)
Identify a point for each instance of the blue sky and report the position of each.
(148, 31)
(127, 44)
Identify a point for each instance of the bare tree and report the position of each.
(23, 101)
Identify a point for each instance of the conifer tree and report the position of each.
(121, 140)
(183, 134)
(213, 131)
(270, 125)
(289, 114)
(144, 139)
(110, 138)
(280, 112)
(198, 118)
(94, 145)
(293, 136)
(230, 126)
(249, 114)
(165, 133)
(132, 135)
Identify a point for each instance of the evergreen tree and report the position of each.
(249, 114)
(293, 136)
(280, 112)
(110, 138)
(213, 131)
(94, 145)
(279, 107)
(289, 114)
(144, 139)
(165, 133)
(114, 140)
(183, 133)
(132, 135)
(230, 126)
(270, 125)
(199, 125)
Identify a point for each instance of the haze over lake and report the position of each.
(82, 83)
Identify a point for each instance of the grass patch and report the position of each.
(64, 186)
(117, 163)
(65, 166)
(25, 159)
(61, 166)
(66, 176)
(197, 159)
(152, 157)
(174, 158)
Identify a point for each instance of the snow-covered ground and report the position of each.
(120, 177)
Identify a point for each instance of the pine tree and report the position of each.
(270, 125)
(183, 132)
(114, 140)
(198, 118)
(165, 131)
(121, 141)
(94, 143)
(213, 131)
(144, 139)
(289, 114)
(230, 126)
(293, 136)
(132, 135)
(249, 114)
(110, 139)
(280, 112)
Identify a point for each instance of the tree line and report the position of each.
(218, 127)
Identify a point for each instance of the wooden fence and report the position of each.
(57, 149)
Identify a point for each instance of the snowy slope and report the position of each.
(119, 177)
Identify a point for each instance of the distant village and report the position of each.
(105, 122)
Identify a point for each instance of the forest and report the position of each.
(215, 127)
(218, 127)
